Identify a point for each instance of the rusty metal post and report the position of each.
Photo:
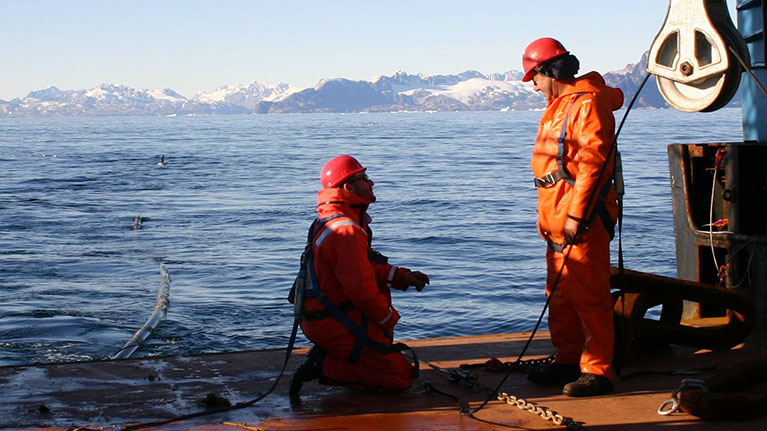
(734, 253)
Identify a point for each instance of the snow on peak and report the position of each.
(166, 94)
(470, 89)
(246, 95)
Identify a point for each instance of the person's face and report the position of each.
(544, 84)
(362, 186)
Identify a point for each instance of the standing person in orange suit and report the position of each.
(349, 316)
(574, 138)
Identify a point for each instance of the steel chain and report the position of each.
(471, 382)
(532, 407)
(523, 364)
(540, 361)
(543, 412)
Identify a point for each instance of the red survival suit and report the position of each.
(580, 314)
(359, 287)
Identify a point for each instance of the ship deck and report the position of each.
(121, 392)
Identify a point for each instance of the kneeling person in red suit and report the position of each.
(349, 317)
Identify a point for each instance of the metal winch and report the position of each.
(698, 55)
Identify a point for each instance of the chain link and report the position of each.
(495, 365)
(543, 412)
(471, 381)
(527, 363)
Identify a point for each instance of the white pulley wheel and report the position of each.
(694, 97)
(691, 58)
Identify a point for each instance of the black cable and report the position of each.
(519, 358)
(569, 246)
(226, 409)
(532, 334)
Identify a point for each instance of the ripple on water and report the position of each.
(229, 212)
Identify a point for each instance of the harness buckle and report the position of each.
(550, 178)
(547, 180)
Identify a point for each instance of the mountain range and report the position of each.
(467, 91)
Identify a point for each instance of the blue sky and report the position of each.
(193, 45)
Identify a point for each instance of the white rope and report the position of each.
(711, 218)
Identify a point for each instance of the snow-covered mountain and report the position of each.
(110, 99)
(246, 95)
(466, 91)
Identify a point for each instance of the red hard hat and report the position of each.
(338, 169)
(538, 52)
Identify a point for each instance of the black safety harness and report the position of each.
(554, 177)
(306, 286)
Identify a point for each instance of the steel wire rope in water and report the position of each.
(158, 314)
(569, 247)
(237, 406)
(154, 320)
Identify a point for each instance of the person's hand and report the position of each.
(415, 278)
(571, 231)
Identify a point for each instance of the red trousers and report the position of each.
(581, 307)
(373, 370)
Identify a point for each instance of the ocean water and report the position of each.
(229, 211)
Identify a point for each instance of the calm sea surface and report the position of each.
(228, 215)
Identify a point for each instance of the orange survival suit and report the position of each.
(361, 289)
(580, 314)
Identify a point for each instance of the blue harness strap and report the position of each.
(553, 177)
(312, 290)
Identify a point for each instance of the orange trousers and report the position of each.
(373, 371)
(581, 307)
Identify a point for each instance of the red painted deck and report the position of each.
(113, 393)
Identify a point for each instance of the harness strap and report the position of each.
(553, 177)
(554, 246)
(600, 208)
(313, 291)
(319, 223)
(362, 333)
(310, 316)
(330, 229)
(604, 217)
